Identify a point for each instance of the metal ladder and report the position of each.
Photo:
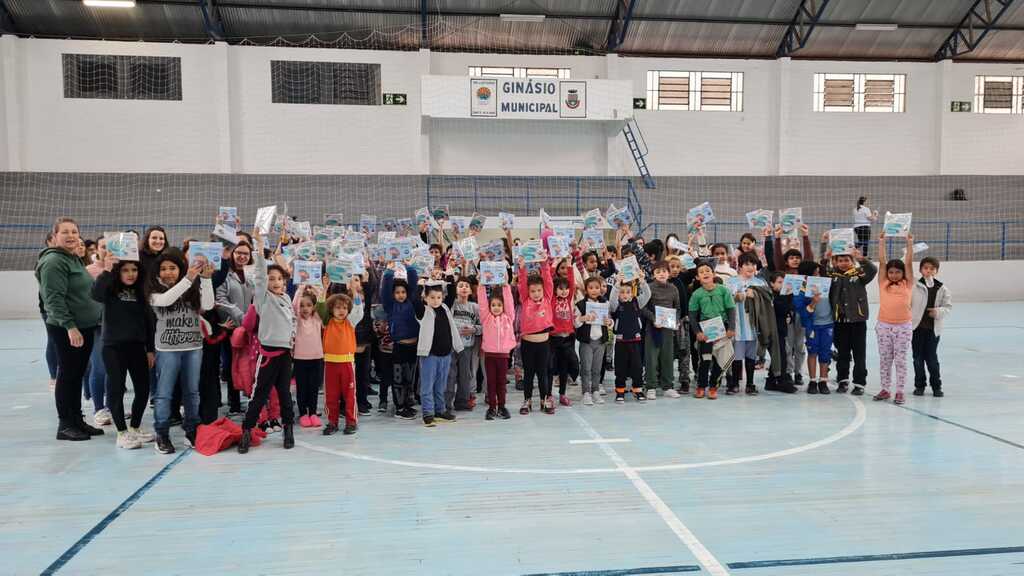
(638, 148)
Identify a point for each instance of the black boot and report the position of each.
(90, 430)
(748, 366)
(243, 444)
(732, 379)
(289, 436)
(68, 431)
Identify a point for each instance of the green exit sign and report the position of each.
(394, 99)
(959, 106)
(639, 103)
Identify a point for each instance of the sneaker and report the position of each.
(90, 430)
(72, 433)
(265, 426)
(472, 401)
(236, 412)
(330, 429)
(245, 441)
(128, 441)
(812, 387)
(598, 399)
(699, 393)
(684, 388)
(491, 413)
(406, 413)
(445, 417)
(843, 387)
(938, 393)
(564, 400)
(712, 393)
(798, 380)
(882, 396)
(602, 392)
(350, 429)
(102, 417)
(639, 396)
(899, 399)
(620, 397)
(175, 420)
(190, 438)
(428, 422)
(382, 406)
(548, 405)
(858, 390)
(305, 422)
(526, 407)
(163, 445)
(315, 421)
(503, 413)
(751, 390)
(671, 393)
(652, 394)
(275, 425)
(918, 392)
(588, 400)
(823, 387)
(144, 436)
(732, 390)
(364, 410)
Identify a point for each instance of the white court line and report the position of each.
(1009, 376)
(601, 441)
(20, 407)
(850, 428)
(703, 555)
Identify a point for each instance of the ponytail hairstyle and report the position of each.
(898, 265)
(861, 201)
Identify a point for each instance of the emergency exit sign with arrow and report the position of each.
(395, 99)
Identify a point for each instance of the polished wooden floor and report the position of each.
(774, 484)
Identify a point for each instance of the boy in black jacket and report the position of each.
(624, 308)
(681, 279)
(849, 299)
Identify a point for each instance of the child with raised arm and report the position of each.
(276, 335)
(563, 335)
(308, 364)
(339, 357)
(438, 340)
(787, 262)
(625, 309)
(402, 308)
(929, 307)
(499, 339)
(460, 393)
(535, 294)
(894, 327)
(816, 317)
(848, 298)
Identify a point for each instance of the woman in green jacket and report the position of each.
(71, 316)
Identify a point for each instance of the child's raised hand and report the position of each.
(910, 239)
(778, 231)
(609, 322)
(767, 231)
(825, 236)
(701, 337)
(194, 270)
(804, 230)
(109, 262)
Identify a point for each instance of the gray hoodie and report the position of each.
(277, 317)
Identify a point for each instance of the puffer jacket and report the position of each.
(499, 333)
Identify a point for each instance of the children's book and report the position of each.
(819, 283)
(423, 216)
(666, 317)
(468, 248)
(599, 310)
(265, 217)
(208, 252)
(759, 219)
(423, 265)
(336, 219)
(339, 271)
(367, 224)
(493, 273)
(713, 329)
(558, 247)
(790, 219)
(440, 212)
(227, 224)
(841, 241)
(323, 248)
(508, 221)
(300, 230)
(307, 272)
(476, 223)
(385, 235)
(897, 225)
(532, 251)
(594, 238)
(303, 250)
(792, 284)
(459, 224)
(629, 268)
(545, 220)
(675, 244)
(492, 251)
(398, 250)
(918, 248)
(406, 227)
(703, 212)
(688, 262)
(592, 219)
(734, 284)
(387, 225)
(124, 245)
(619, 217)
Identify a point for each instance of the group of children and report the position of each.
(652, 311)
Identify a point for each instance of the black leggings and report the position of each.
(71, 365)
(209, 383)
(565, 362)
(363, 378)
(536, 356)
(309, 377)
(277, 374)
(708, 367)
(122, 360)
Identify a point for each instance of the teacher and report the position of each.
(863, 216)
(71, 318)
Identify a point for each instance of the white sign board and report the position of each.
(526, 98)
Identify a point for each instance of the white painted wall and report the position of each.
(227, 123)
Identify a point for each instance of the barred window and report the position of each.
(999, 94)
(677, 90)
(299, 82)
(519, 72)
(859, 92)
(121, 77)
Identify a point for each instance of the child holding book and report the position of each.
(459, 394)
(746, 341)
(816, 317)
(308, 353)
(339, 358)
(593, 338)
(625, 308)
(848, 298)
(681, 279)
(787, 262)
(895, 321)
(402, 310)
(929, 306)
(536, 292)
(711, 300)
(499, 339)
(563, 335)
(659, 340)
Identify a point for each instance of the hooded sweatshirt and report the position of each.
(65, 288)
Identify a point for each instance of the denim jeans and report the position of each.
(168, 366)
(433, 382)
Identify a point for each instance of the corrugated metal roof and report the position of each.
(469, 33)
(707, 39)
(345, 29)
(60, 18)
(720, 9)
(850, 43)
(577, 7)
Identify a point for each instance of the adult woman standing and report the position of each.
(233, 298)
(863, 216)
(153, 243)
(71, 318)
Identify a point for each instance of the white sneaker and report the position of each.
(588, 400)
(598, 399)
(652, 394)
(128, 441)
(144, 436)
(102, 417)
(602, 391)
(671, 393)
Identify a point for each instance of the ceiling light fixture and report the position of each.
(109, 3)
(864, 26)
(521, 17)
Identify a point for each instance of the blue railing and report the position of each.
(940, 235)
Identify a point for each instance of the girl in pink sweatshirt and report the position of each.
(536, 293)
(308, 354)
(499, 339)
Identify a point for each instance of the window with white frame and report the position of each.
(834, 92)
(695, 91)
(519, 72)
(999, 94)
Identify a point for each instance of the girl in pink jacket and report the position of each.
(499, 339)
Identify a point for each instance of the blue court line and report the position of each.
(798, 562)
(102, 525)
(968, 428)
